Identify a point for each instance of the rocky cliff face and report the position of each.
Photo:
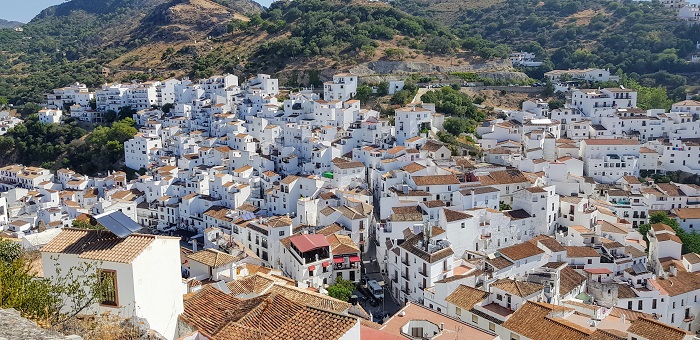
(13, 326)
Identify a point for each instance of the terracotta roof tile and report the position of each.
(651, 329)
(435, 180)
(532, 320)
(576, 251)
(518, 288)
(99, 245)
(270, 316)
(466, 297)
(521, 251)
(212, 258)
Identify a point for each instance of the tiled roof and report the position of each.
(432, 146)
(466, 297)
(99, 245)
(410, 213)
(670, 189)
(454, 215)
(668, 237)
(547, 242)
(581, 251)
(682, 283)
(503, 177)
(270, 316)
(330, 229)
(518, 288)
(289, 179)
(602, 141)
(521, 251)
(532, 320)
(341, 244)
(661, 227)
(569, 279)
(219, 212)
(689, 213)
(625, 292)
(651, 329)
(435, 180)
(212, 258)
(252, 284)
(692, 258)
(413, 167)
(607, 334)
(499, 262)
(310, 299)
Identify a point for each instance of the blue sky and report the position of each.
(26, 10)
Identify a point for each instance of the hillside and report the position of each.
(299, 41)
(9, 24)
(635, 37)
(74, 40)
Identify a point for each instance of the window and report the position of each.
(458, 311)
(653, 304)
(639, 305)
(282, 233)
(499, 297)
(475, 318)
(629, 305)
(492, 326)
(108, 282)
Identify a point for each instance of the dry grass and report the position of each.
(510, 100)
(104, 327)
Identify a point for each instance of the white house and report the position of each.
(143, 271)
(48, 116)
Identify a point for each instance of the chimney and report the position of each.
(673, 270)
(194, 245)
(232, 271)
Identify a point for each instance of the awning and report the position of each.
(326, 264)
(338, 260)
(312, 267)
(354, 258)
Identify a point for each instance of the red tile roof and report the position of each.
(308, 242)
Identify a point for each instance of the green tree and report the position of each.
(364, 92)
(456, 125)
(48, 301)
(342, 289)
(91, 224)
(691, 240)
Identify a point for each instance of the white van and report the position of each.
(376, 290)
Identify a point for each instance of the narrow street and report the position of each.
(372, 270)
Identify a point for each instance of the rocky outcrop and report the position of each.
(393, 70)
(394, 67)
(14, 327)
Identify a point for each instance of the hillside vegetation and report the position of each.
(634, 37)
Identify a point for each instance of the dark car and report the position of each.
(379, 317)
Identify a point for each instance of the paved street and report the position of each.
(373, 272)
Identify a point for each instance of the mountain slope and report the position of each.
(9, 24)
(69, 42)
(639, 37)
